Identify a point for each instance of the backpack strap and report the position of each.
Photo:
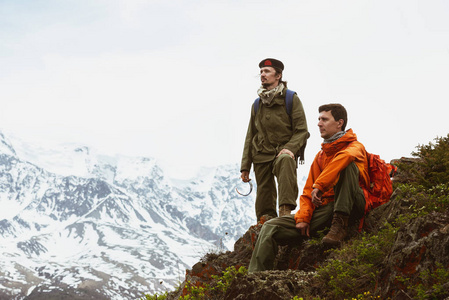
(256, 105)
(288, 102)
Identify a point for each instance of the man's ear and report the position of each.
(341, 122)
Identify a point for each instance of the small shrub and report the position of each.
(366, 296)
(223, 282)
(316, 240)
(424, 200)
(432, 283)
(354, 268)
(155, 297)
(195, 292)
(219, 284)
(432, 166)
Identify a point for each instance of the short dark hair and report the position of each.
(337, 110)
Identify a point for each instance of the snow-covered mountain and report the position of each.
(92, 226)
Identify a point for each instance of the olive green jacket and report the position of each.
(272, 130)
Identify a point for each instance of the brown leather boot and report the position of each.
(338, 230)
(285, 210)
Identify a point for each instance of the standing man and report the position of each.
(333, 194)
(275, 140)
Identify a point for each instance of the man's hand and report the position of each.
(286, 151)
(316, 197)
(245, 176)
(303, 227)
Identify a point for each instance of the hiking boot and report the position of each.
(285, 210)
(338, 230)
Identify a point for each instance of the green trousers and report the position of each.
(284, 169)
(349, 199)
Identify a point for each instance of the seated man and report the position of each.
(332, 196)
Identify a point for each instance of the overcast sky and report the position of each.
(175, 80)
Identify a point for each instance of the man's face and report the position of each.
(269, 77)
(327, 124)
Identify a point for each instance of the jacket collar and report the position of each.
(341, 143)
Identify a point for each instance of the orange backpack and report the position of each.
(380, 174)
(381, 187)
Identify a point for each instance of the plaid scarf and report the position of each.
(267, 95)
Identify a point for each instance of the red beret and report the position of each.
(271, 62)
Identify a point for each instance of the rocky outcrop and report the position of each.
(422, 244)
(294, 266)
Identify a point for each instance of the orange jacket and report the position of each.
(325, 172)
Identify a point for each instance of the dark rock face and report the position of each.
(422, 245)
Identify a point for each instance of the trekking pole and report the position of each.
(250, 189)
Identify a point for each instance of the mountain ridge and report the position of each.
(114, 227)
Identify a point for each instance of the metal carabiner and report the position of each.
(250, 189)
